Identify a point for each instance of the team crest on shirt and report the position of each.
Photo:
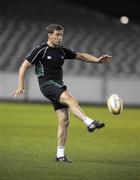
(49, 57)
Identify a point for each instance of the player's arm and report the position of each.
(22, 72)
(94, 59)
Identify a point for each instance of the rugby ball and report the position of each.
(115, 104)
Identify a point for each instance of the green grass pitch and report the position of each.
(28, 145)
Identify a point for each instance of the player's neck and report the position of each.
(51, 44)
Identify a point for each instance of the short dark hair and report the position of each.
(54, 27)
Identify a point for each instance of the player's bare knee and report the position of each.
(65, 119)
(68, 99)
(72, 101)
(67, 123)
(64, 123)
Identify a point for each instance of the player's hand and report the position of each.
(18, 93)
(105, 59)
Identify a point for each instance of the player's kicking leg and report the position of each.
(91, 124)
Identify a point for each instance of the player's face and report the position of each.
(56, 38)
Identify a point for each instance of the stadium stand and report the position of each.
(97, 34)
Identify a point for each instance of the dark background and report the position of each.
(131, 8)
(118, 8)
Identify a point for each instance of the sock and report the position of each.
(87, 121)
(60, 151)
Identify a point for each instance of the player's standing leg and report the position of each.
(63, 123)
(91, 124)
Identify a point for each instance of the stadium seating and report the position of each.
(98, 35)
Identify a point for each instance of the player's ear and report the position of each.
(49, 35)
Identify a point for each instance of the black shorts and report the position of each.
(52, 90)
